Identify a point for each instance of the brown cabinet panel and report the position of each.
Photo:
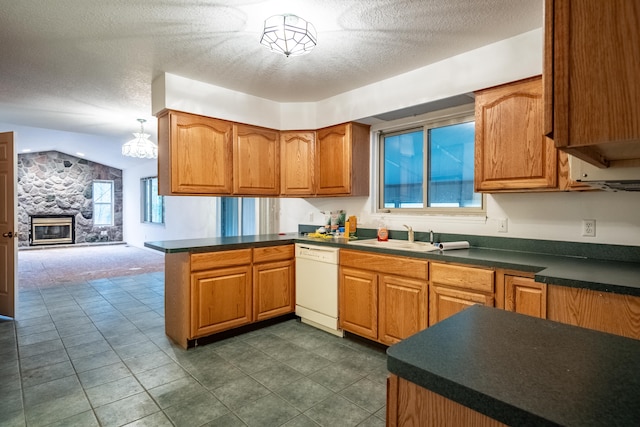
(273, 253)
(460, 276)
(388, 264)
(602, 311)
(526, 296)
(445, 301)
(511, 151)
(358, 302)
(220, 300)
(210, 260)
(591, 68)
(342, 160)
(273, 289)
(194, 154)
(256, 161)
(297, 155)
(403, 308)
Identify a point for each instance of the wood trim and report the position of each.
(177, 300)
(547, 69)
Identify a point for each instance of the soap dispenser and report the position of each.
(383, 232)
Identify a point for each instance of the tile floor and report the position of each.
(94, 353)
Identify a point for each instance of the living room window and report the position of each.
(152, 206)
(428, 167)
(102, 202)
(246, 216)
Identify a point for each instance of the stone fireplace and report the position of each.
(53, 184)
(52, 230)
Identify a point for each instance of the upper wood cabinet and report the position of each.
(342, 160)
(591, 69)
(297, 173)
(256, 161)
(511, 152)
(194, 154)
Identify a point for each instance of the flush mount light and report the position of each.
(140, 146)
(289, 35)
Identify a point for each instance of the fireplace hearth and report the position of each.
(52, 230)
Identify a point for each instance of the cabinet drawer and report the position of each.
(273, 253)
(462, 277)
(397, 265)
(209, 260)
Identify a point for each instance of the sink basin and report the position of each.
(396, 244)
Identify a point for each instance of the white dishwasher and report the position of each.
(317, 286)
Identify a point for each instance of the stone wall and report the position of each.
(53, 183)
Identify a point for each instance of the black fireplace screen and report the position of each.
(52, 229)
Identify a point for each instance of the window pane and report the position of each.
(248, 216)
(102, 214)
(102, 192)
(152, 205)
(451, 162)
(403, 170)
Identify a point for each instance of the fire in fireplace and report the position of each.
(52, 230)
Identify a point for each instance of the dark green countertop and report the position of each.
(525, 371)
(603, 275)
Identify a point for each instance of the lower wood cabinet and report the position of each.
(273, 282)
(452, 288)
(220, 300)
(603, 311)
(408, 404)
(525, 296)
(206, 293)
(382, 297)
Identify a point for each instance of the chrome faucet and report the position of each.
(409, 233)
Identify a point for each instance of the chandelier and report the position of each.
(140, 146)
(289, 35)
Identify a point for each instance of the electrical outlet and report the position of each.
(502, 225)
(310, 216)
(589, 227)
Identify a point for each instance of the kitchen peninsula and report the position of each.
(491, 367)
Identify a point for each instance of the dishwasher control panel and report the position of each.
(317, 253)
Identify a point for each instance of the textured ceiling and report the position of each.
(87, 65)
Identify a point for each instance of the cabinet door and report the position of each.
(297, 163)
(194, 154)
(403, 308)
(445, 301)
(511, 152)
(256, 161)
(591, 66)
(358, 302)
(526, 296)
(220, 300)
(333, 160)
(273, 289)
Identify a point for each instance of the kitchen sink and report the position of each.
(402, 245)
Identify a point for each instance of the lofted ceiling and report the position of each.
(86, 66)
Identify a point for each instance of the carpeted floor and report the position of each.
(46, 267)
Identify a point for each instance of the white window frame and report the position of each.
(111, 204)
(144, 198)
(427, 121)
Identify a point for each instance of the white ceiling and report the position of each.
(87, 65)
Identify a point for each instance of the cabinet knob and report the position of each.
(9, 234)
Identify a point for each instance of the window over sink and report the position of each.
(427, 166)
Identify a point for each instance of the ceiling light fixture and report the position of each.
(289, 35)
(140, 146)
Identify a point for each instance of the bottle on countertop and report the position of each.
(383, 231)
